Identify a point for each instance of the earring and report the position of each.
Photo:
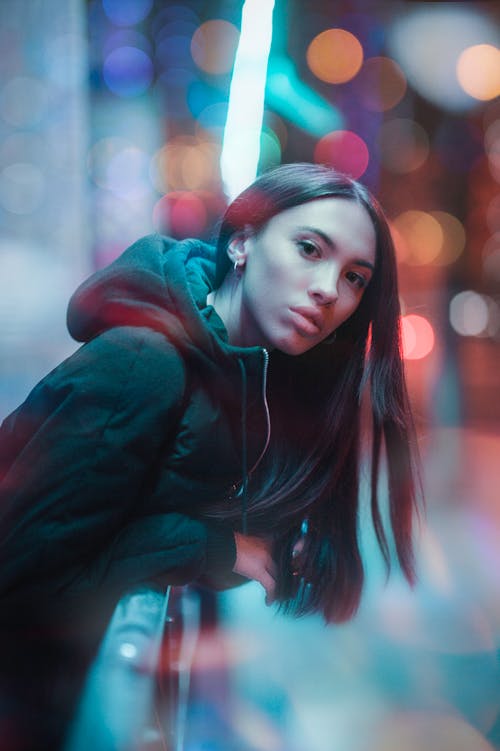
(238, 265)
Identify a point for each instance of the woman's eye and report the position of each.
(358, 280)
(309, 248)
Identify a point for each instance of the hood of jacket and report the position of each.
(160, 283)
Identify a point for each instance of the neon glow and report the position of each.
(298, 102)
(241, 143)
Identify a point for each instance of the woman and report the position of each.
(209, 427)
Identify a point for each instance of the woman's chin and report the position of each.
(294, 345)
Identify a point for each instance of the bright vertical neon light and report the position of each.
(241, 143)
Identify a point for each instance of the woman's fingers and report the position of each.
(269, 585)
(254, 560)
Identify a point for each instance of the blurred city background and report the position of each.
(119, 118)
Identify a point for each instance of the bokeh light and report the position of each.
(491, 258)
(128, 173)
(427, 41)
(214, 45)
(335, 56)
(200, 96)
(125, 38)
(381, 84)
(127, 12)
(100, 156)
(277, 125)
(478, 71)
(417, 337)
(454, 238)
(418, 237)
(469, 313)
(403, 145)
(181, 213)
(24, 146)
(270, 149)
(493, 214)
(344, 150)
(492, 134)
(128, 71)
(185, 163)
(170, 13)
(22, 188)
(172, 86)
(490, 113)
(174, 51)
(179, 28)
(212, 119)
(493, 326)
(492, 148)
(199, 165)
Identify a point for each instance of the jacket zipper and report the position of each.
(234, 488)
(266, 409)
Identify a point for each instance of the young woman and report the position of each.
(209, 427)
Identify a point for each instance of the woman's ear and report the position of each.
(237, 249)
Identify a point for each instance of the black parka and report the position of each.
(107, 467)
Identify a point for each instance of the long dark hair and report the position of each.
(309, 477)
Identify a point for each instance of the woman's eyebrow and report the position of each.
(328, 241)
(315, 231)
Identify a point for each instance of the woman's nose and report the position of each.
(324, 290)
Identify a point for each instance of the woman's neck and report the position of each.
(227, 301)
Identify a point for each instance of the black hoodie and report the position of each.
(108, 466)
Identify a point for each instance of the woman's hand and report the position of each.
(253, 560)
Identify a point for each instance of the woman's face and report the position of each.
(304, 273)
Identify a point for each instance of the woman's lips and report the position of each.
(306, 321)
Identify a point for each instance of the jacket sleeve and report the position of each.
(85, 443)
